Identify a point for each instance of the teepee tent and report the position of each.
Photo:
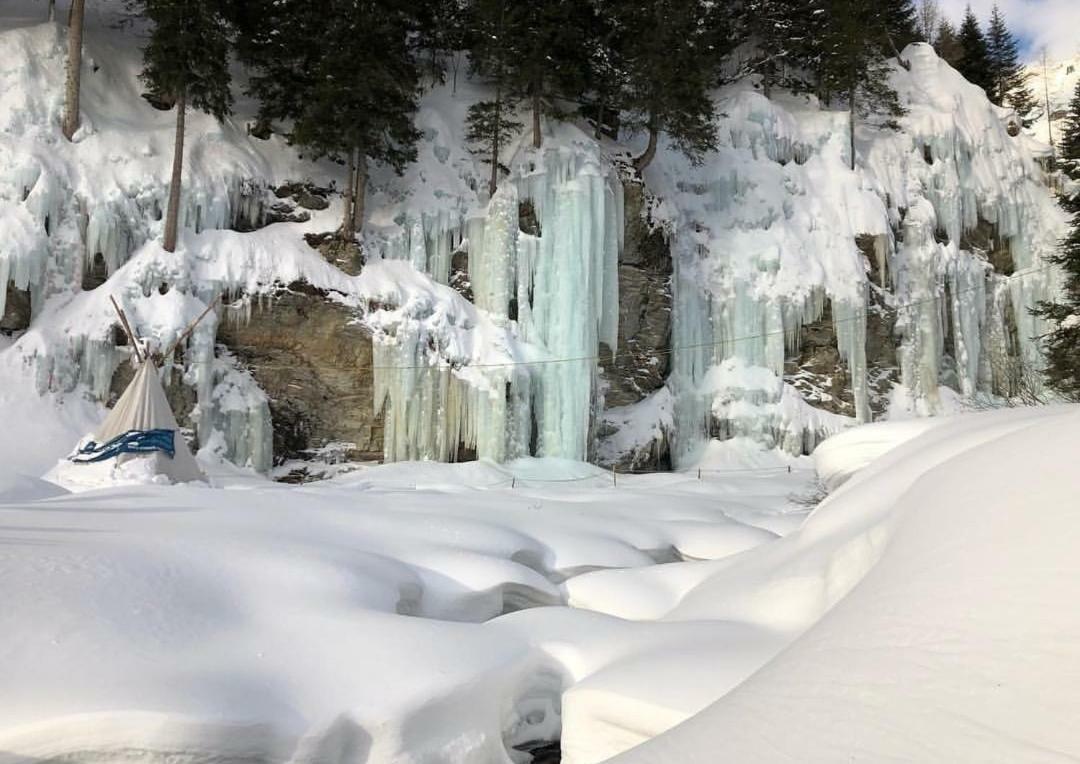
(142, 425)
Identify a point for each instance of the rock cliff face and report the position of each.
(642, 357)
(16, 314)
(314, 361)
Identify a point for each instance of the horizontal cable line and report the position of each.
(599, 357)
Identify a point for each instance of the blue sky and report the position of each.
(1054, 24)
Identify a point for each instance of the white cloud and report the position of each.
(1054, 24)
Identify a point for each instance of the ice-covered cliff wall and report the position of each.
(488, 316)
(956, 220)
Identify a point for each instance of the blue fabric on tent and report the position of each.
(131, 442)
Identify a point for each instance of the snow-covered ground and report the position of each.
(448, 613)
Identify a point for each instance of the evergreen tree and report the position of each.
(1061, 346)
(947, 44)
(855, 63)
(346, 81)
(186, 62)
(607, 79)
(1008, 78)
(492, 23)
(777, 29)
(975, 60)
(440, 34)
(673, 52)
(532, 50)
(901, 22)
(488, 127)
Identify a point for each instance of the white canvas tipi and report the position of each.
(143, 406)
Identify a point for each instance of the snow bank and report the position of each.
(955, 644)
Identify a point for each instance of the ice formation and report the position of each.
(557, 290)
(771, 233)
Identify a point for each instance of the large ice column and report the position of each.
(694, 351)
(574, 280)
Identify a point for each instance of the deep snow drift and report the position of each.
(418, 612)
(957, 637)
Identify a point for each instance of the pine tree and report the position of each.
(1061, 346)
(855, 63)
(488, 127)
(186, 62)
(975, 61)
(674, 48)
(439, 34)
(901, 22)
(346, 81)
(947, 44)
(774, 27)
(1007, 75)
(534, 51)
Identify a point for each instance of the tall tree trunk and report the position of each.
(74, 68)
(852, 113)
(348, 226)
(645, 159)
(493, 183)
(538, 139)
(360, 190)
(173, 212)
(601, 105)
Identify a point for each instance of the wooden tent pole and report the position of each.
(127, 328)
(191, 327)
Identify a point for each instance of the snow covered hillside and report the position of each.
(1058, 81)
(781, 296)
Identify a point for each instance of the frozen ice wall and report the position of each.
(765, 234)
(553, 290)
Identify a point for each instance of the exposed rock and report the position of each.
(459, 274)
(16, 316)
(528, 222)
(347, 256)
(96, 273)
(817, 372)
(283, 212)
(985, 239)
(314, 362)
(310, 201)
(642, 358)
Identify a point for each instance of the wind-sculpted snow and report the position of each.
(949, 567)
(371, 615)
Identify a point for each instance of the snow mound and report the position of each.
(956, 637)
